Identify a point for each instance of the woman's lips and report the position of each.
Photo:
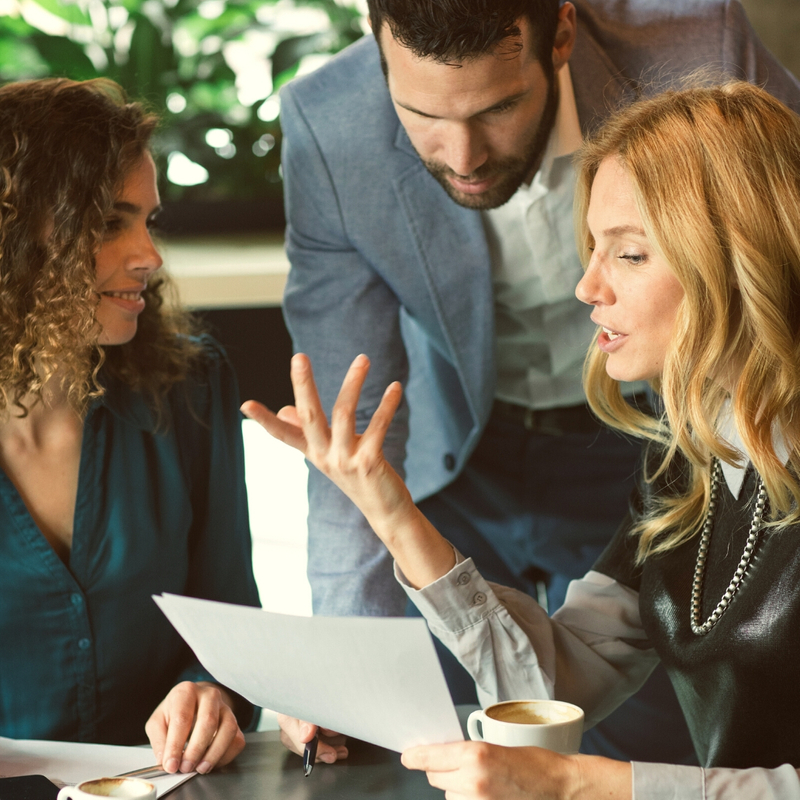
(132, 302)
(609, 341)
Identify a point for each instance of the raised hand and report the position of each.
(355, 463)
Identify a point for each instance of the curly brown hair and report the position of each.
(66, 148)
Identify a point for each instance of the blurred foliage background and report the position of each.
(210, 68)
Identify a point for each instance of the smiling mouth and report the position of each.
(611, 334)
(124, 295)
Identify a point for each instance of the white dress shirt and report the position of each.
(542, 331)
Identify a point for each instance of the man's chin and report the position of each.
(493, 197)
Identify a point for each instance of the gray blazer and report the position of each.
(384, 263)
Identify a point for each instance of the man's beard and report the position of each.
(512, 171)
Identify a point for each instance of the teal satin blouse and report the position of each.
(85, 654)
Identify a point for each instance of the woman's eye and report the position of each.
(636, 259)
(113, 225)
(152, 223)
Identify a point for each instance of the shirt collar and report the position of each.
(726, 429)
(565, 138)
(127, 404)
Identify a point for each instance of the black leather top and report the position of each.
(739, 684)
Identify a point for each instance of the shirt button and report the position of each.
(84, 644)
(463, 579)
(76, 599)
(479, 599)
(449, 462)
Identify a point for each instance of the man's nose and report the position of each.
(465, 149)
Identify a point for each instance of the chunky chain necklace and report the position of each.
(701, 628)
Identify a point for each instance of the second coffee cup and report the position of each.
(553, 724)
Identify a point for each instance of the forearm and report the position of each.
(420, 551)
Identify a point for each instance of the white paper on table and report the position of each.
(374, 678)
(69, 763)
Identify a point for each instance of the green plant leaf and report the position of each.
(293, 49)
(66, 10)
(151, 62)
(19, 60)
(64, 57)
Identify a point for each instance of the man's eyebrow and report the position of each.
(499, 104)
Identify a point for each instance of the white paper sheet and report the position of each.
(374, 678)
(69, 763)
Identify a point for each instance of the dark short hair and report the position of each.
(455, 30)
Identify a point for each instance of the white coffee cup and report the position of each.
(521, 723)
(130, 788)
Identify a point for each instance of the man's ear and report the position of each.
(565, 35)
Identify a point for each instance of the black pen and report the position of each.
(309, 754)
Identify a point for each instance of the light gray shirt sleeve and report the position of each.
(593, 652)
(672, 782)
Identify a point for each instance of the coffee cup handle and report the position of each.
(473, 720)
(64, 793)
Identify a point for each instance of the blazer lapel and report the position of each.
(453, 257)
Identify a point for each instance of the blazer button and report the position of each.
(479, 599)
(449, 462)
(463, 579)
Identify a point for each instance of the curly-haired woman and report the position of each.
(120, 444)
(688, 220)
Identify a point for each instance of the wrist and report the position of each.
(593, 777)
(420, 551)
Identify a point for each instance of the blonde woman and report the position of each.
(121, 464)
(688, 216)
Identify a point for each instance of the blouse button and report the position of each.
(76, 599)
(84, 644)
(463, 579)
(478, 599)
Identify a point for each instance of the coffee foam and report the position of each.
(530, 713)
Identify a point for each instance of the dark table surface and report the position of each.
(265, 770)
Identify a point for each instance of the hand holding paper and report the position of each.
(390, 689)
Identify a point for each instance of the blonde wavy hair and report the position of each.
(716, 171)
(65, 150)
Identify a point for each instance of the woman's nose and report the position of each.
(592, 289)
(147, 258)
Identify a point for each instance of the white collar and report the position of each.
(566, 137)
(727, 430)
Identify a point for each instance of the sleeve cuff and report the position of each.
(457, 600)
(667, 782)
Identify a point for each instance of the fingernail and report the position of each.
(204, 767)
(171, 765)
(187, 766)
(328, 758)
